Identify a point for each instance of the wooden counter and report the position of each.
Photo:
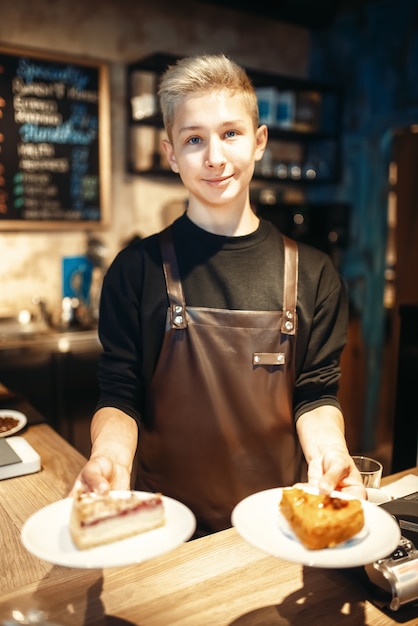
(219, 580)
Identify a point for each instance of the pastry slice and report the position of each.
(100, 519)
(321, 521)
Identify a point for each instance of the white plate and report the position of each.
(257, 520)
(377, 496)
(17, 416)
(46, 535)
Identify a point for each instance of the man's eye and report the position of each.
(193, 140)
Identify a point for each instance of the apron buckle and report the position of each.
(288, 326)
(178, 316)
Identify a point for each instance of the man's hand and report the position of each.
(330, 466)
(101, 474)
(336, 470)
(114, 440)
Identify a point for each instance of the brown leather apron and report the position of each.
(221, 401)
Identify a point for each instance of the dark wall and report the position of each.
(373, 54)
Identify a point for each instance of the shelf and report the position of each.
(154, 172)
(274, 133)
(309, 138)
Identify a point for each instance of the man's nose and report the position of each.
(215, 155)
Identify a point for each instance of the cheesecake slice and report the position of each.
(96, 520)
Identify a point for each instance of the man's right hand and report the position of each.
(114, 440)
(101, 474)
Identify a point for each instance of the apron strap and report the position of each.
(290, 288)
(173, 282)
(175, 289)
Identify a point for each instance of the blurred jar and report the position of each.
(309, 171)
(295, 171)
(281, 171)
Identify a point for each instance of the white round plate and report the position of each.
(46, 535)
(258, 520)
(377, 496)
(17, 416)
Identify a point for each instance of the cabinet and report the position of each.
(303, 116)
(405, 423)
(57, 374)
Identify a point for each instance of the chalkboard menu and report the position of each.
(54, 141)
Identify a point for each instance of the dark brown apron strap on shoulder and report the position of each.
(172, 279)
(176, 295)
(290, 289)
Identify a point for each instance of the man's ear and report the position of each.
(261, 138)
(169, 152)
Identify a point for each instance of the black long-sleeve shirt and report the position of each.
(243, 273)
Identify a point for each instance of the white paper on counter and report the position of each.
(402, 487)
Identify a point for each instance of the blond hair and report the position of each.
(200, 74)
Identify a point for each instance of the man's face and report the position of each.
(214, 147)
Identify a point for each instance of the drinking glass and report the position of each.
(370, 470)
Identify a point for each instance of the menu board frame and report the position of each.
(101, 216)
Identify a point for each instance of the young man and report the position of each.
(221, 339)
